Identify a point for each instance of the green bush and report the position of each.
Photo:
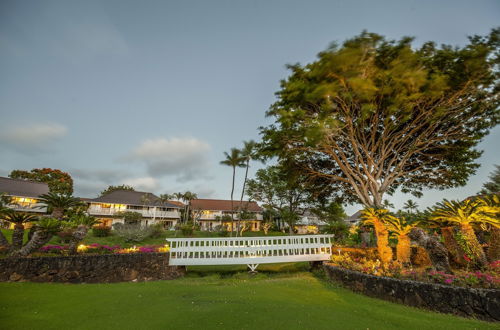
(101, 231)
(188, 228)
(132, 232)
(157, 230)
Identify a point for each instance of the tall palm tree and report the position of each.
(58, 203)
(188, 197)
(19, 219)
(83, 223)
(465, 214)
(247, 154)
(377, 218)
(46, 228)
(233, 159)
(410, 206)
(386, 204)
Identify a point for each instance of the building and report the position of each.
(213, 213)
(24, 194)
(354, 219)
(309, 223)
(110, 207)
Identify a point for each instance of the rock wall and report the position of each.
(483, 304)
(103, 268)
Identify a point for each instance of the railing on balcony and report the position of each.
(144, 213)
(218, 216)
(39, 208)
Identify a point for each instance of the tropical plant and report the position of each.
(248, 153)
(464, 214)
(130, 217)
(19, 219)
(492, 204)
(82, 223)
(492, 186)
(401, 228)
(59, 182)
(4, 210)
(46, 227)
(410, 206)
(436, 251)
(386, 204)
(58, 203)
(377, 218)
(373, 115)
(132, 232)
(233, 159)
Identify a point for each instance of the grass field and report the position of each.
(281, 296)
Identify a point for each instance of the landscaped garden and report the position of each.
(280, 296)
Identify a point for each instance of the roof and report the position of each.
(139, 198)
(180, 204)
(354, 218)
(223, 205)
(22, 188)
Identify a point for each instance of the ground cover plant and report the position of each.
(282, 296)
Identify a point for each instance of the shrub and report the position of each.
(157, 230)
(133, 233)
(221, 231)
(187, 229)
(101, 231)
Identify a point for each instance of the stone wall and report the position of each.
(103, 268)
(483, 304)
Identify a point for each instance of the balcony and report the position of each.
(145, 213)
(219, 215)
(38, 208)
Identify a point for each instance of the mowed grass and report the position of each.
(281, 296)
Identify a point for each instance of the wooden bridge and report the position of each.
(250, 251)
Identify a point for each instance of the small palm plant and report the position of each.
(491, 205)
(19, 219)
(59, 202)
(46, 228)
(83, 223)
(464, 215)
(377, 218)
(401, 228)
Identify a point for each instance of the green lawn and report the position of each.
(281, 296)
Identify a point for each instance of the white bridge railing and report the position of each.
(250, 251)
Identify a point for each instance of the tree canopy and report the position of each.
(58, 181)
(374, 115)
(492, 186)
(115, 188)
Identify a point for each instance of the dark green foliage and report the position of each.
(101, 231)
(59, 182)
(130, 217)
(115, 188)
(375, 115)
(492, 186)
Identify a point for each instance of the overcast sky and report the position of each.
(150, 93)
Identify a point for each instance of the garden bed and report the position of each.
(89, 268)
(471, 302)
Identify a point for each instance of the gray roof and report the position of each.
(22, 188)
(139, 198)
(355, 217)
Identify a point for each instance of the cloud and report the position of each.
(143, 184)
(186, 159)
(104, 176)
(31, 137)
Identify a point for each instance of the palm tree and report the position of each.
(465, 214)
(19, 219)
(386, 204)
(233, 159)
(188, 197)
(410, 206)
(59, 202)
(491, 204)
(4, 210)
(83, 223)
(46, 228)
(377, 218)
(247, 154)
(401, 228)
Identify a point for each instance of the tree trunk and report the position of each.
(17, 237)
(58, 213)
(436, 251)
(40, 238)
(403, 249)
(473, 244)
(384, 250)
(3, 240)
(494, 248)
(232, 204)
(456, 252)
(243, 192)
(78, 236)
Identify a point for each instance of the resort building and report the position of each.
(309, 223)
(213, 213)
(109, 208)
(24, 194)
(354, 219)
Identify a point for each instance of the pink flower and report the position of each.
(448, 281)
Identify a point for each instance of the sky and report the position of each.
(151, 93)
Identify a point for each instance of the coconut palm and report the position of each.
(386, 204)
(83, 223)
(247, 154)
(19, 219)
(58, 203)
(233, 159)
(46, 228)
(410, 206)
(377, 218)
(399, 227)
(464, 215)
(188, 197)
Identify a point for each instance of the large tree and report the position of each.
(115, 188)
(59, 182)
(374, 115)
(492, 186)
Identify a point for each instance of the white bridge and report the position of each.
(250, 251)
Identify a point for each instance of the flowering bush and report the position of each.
(54, 249)
(102, 249)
